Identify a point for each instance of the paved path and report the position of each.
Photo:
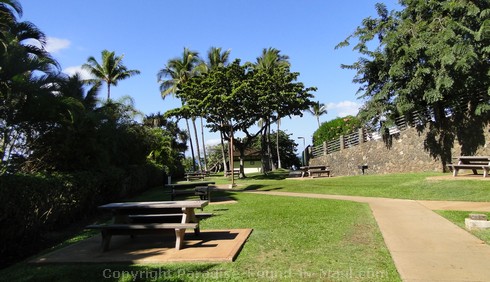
(424, 245)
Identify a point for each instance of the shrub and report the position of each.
(335, 128)
(33, 205)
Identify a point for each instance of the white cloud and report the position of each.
(84, 74)
(344, 108)
(54, 45)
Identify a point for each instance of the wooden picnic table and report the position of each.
(474, 163)
(195, 175)
(317, 169)
(200, 189)
(134, 218)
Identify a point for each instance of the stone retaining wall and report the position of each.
(406, 154)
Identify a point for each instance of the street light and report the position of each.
(303, 154)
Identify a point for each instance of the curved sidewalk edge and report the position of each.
(423, 245)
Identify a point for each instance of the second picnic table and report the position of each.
(317, 169)
(471, 162)
(200, 189)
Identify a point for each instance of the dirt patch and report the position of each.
(459, 177)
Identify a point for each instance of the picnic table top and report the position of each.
(156, 205)
(313, 167)
(189, 184)
(473, 158)
(195, 173)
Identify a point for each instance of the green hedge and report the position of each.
(335, 128)
(33, 205)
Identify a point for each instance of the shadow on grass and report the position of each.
(256, 187)
(270, 176)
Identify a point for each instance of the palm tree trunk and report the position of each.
(108, 91)
(197, 144)
(263, 151)
(279, 165)
(192, 147)
(204, 147)
(269, 151)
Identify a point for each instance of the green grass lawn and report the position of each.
(415, 186)
(292, 239)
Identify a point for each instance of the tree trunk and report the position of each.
(108, 91)
(279, 165)
(197, 144)
(223, 152)
(269, 151)
(204, 147)
(263, 151)
(192, 147)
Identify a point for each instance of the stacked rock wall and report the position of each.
(406, 153)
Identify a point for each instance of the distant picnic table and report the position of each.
(196, 175)
(201, 189)
(312, 170)
(474, 163)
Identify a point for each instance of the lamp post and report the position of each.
(303, 154)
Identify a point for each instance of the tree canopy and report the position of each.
(237, 96)
(431, 62)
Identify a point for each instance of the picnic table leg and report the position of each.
(190, 216)
(485, 172)
(474, 171)
(106, 239)
(455, 171)
(179, 238)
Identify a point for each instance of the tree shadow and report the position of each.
(270, 176)
(253, 187)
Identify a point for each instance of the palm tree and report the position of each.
(269, 60)
(111, 70)
(215, 58)
(178, 71)
(317, 109)
(27, 75)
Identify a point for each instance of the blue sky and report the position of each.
(151, 32)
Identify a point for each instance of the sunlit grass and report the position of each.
(292, 239)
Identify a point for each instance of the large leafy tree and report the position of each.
(269, 62)
(216, 58)
(110, 69)
(287, 149)
(174, 75)
(432, 62)
(234, 98)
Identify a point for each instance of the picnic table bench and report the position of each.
(201, 189)
(315, 170)
(474, 163)
(140, 218)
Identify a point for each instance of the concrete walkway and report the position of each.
(424, 245)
